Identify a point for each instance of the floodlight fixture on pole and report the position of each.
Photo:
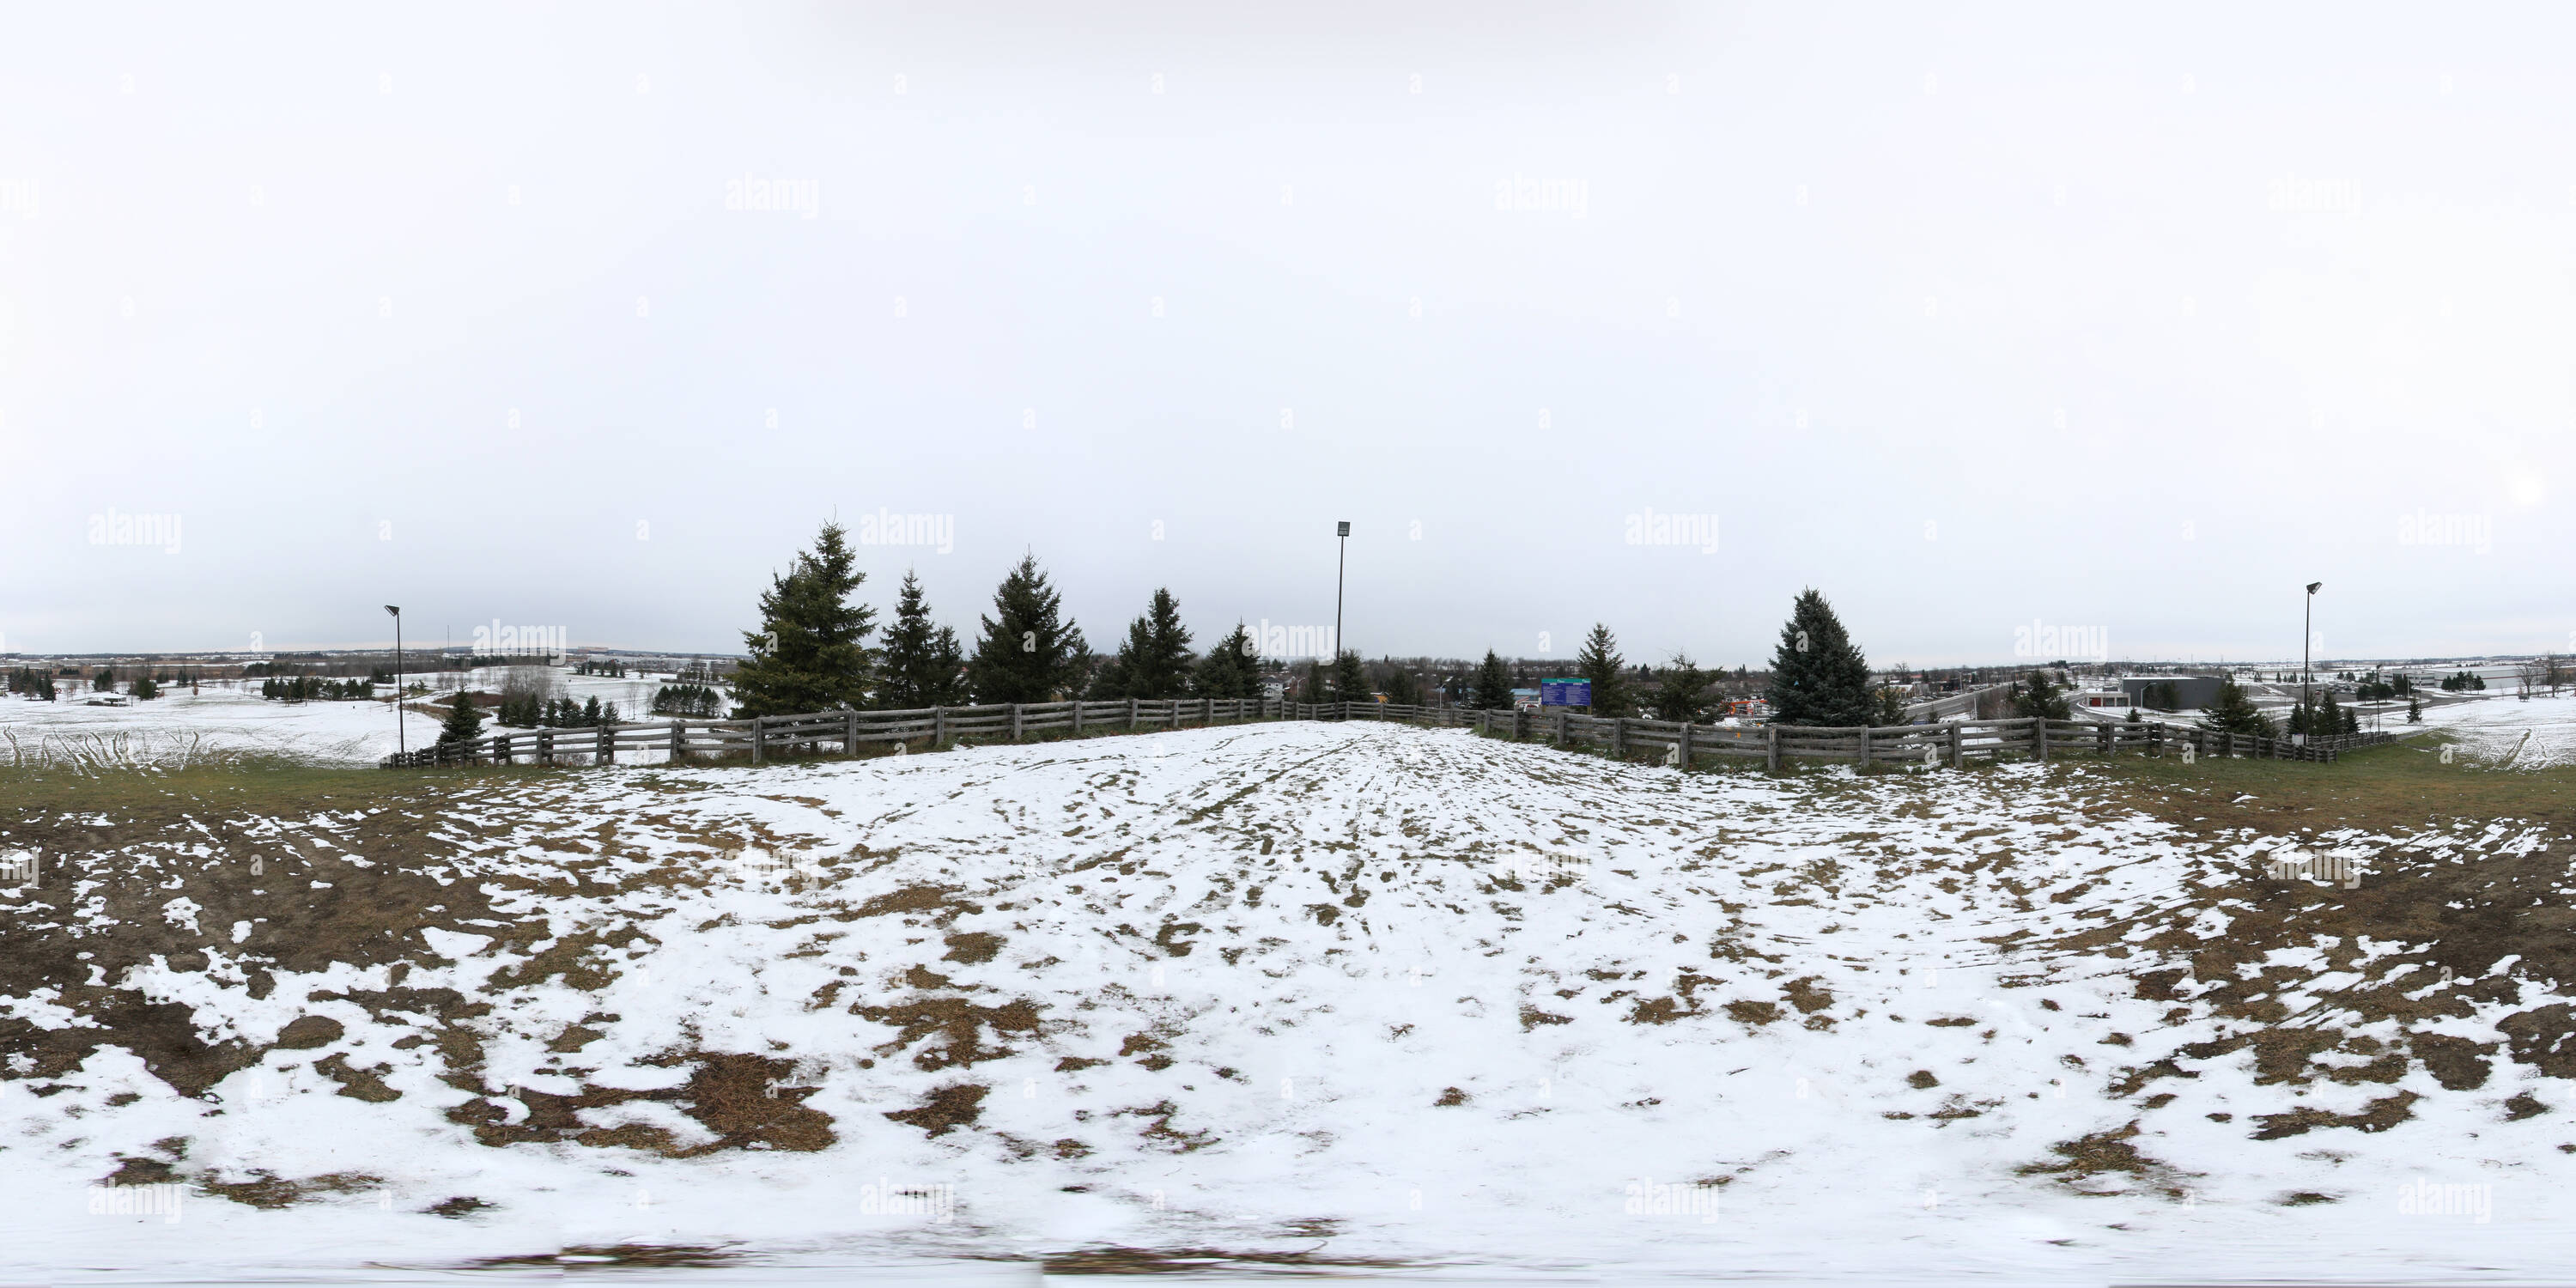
(398, 674)
(1342, 530)
(2307, 623)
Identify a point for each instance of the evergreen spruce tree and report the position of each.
(1818, 676)
(2040, 697)
(2135, 718)
(919, 664)
(1493, 684)
(104, 681)
(144, 688)
(1889, 708)
(1316, 685)
(591, 716)
(2414, 710)
(2233, 712)
(1153, 662)
(1683, 695)
(1350, 680)
(1599, 662)
(1402, 688)
(464, 722)
(1027, 653)
(810, 653)
(1231, 669)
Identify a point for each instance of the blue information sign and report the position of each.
(1565, 693)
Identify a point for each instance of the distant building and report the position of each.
(2191, 692)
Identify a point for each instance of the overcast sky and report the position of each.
(2011, 315)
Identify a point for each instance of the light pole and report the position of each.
(1342, 530)
(398, 674)
(2307, 622)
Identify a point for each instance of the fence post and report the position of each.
(1561, 726)
(2039, 727)
(1077, 715)
(1686, 759)
(759, 738)
(1957, 730)
(675, 742)
(1131, 713)
(938, 727)
(1618, 737)
(1207, 711)
(1015, 722)
(1771, 736)
(546, 747)
(850, 732)
(607, 754)
(2227, 744)
(1864, 746)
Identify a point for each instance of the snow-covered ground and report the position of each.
(2537, 733)
(1355, 993)
(232, 717)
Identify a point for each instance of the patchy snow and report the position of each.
(1389, 993)
(230, 716)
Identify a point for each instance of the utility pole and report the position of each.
(398, 678)
(2307, 623)
(1343, 530)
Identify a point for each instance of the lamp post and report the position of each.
(398, 674)
(2307, 621)
(1342, 530)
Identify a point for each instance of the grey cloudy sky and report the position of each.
(2130, 322)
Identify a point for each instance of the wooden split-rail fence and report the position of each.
(1952, 742)
(845, 731)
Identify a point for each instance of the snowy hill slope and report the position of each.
(1334, 994)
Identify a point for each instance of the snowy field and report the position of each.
(232, 717)
(1359, 999)
(2504, 730)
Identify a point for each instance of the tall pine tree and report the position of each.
(1153, 662)
(1027, 652)
(1599, 662)
(920, 662)
(1232, 669)
(464, 722)
(2232, 711)
(2039, 696)
(1350, 681)
(1818, 676)
(1683, 692)
(811, 652)
(1493, 684)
